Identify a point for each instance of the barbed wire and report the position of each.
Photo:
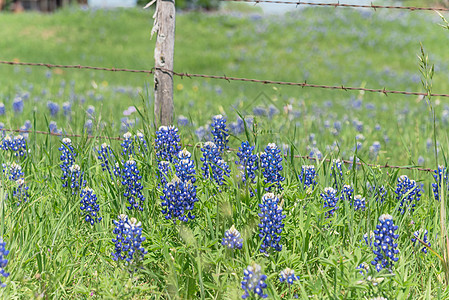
(307, 157)
(338, 4)
(230, 78)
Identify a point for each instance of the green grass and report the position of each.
(54, 254)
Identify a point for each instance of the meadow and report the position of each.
(63, 199)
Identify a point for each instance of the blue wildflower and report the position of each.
(108, 160)
(67, 108)
(53, 108)
(364, 268)
(3, 261)
(17, 104)
(213, 165)
(127, 144)
(13, 171)
(167, 143)
(248, 162)
(308, 176)
(330, 200)
(385, 248)
(408, 193)
(178, 200)
(2, 109)
(128, 241)
(337, 172)
(185, 167)
(288, 275)
(77, 182)
(90, 111)
(220, 133)
(89, 206)
(270, 226)
(271, 162)
(422, 235)
(346, 193)
(441, 178)
(163, 172)
(254, 281)
(20, 191)
(133, 187)
(359, 203)
(232, 239)
(183, 121)
(237, 127)
(67, 159)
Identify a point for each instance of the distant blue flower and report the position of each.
(220, 133)
(272, 111)
(422, 235)
(248, 162)
(16, 144)
(27, 125)
(420, 160)
(232, 239)
(128, 240)
(254, 282)
(2, 109)
(271, 163)
(441, 178)
(167, 143)
(53, 127)
(259, 111)
(213, 165)
(337, 126)
(183, 121)
(17, 104)
(88, 126)
(200, 132)
(375, 148)
(270, 226)
(377, 127)
(178, 200)
(53, 107)
(308, 176)
(90, 112)
(67, 159)
(330, 200)
(385, 248)
(315, 153)
(288, 275)
(3, 261)
(133, 188)
(20, 191)
(89, 206)
(408, 193)
(237, 127)
(12, 171)
(67, 108)
(364, 268)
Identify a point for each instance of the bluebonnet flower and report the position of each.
(7, 143)
(53, 108)
(359, 203)
(271, 162)
(315, 153)
(385, 247)
(178, 200)
(270, 226)
(2, 109)
(77, 181)
(288, 275)
(67, 108)
(417, 235)
(336, 172)
(13, 171)
(167, 143)
(213, 165)
(3, 261)
(19, 146)
(133, 187)
(346, 193)
(107, 159)
(237, 127)
(90, 111)
(379, 193)
(17, 104)
(185, 167)
(88, 126)
(27, 125)
(163, 172)
(232, 239)
(89, 206)
(200, 132)
(183, 121)
(141, 142)
(441, 178)
(363, 267)
(377, 127)
(337, 126)
(272, 110)
(408, 193)
(357, 162)
(20, 191)
(127, 144)
(330, 200)
(248, 162)
(307, 176)
(259, 111)
(220, 133)
(254, 281)
(420, 160)
(67, 159)
(369, 238)
(128, 241)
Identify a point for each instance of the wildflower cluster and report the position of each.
(14, 173)
(288, 275)
(359, 203)
(178, 200)
(385, 248)
(232, 239)
(213, 165)
(254, 282)
(163, 172)
(16, 145)
(108, 160)
(133, 187)
(3, 261)
(346, 193)
(132, 145)
(422, 235)
(89, 207)
(441, 178)
(248, 162)
(270, 226)
(128, 241)
(167, 143)
(185, 167)
(271, 162)
(408, 193)
(220, 133)
(336, 172)
(76, 179)
(307, 176)
(330, 200)
(67, 159)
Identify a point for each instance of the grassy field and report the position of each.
(54, 253)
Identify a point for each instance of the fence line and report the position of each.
(338, 4)
(229, 78)
(348, 162)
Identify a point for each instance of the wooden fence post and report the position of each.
(163, 55)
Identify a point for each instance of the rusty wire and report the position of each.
(338, 4)
(230, 78)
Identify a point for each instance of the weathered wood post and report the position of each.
(164, 25)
